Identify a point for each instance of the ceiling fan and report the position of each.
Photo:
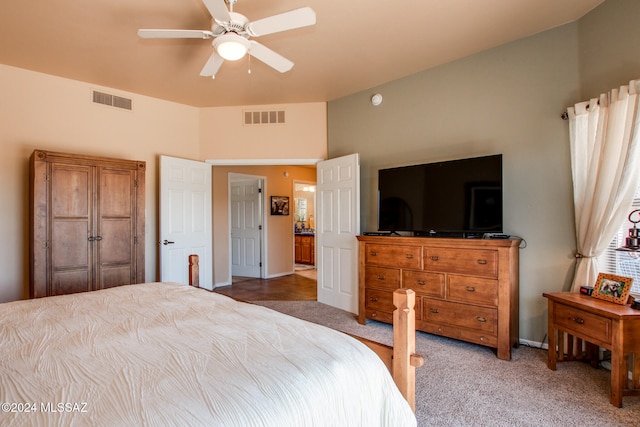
(231, 34)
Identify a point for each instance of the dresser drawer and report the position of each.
(474, 262)
(379, 300)
(454, 314)
(582, 323)
(470, 335)
(394, 256)
(430, 284)
(380, 316)
(475, 290)
(381, 277)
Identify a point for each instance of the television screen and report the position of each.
(458, 196)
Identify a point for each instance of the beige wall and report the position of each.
(223, 134)
(51, 113)
(505, 100)
(278, 229)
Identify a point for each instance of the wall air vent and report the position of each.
(112, 100)
(264, 117)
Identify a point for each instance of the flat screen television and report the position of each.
(451, 198)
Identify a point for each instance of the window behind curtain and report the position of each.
(620, 263)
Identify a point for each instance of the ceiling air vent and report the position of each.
(264, 117)
(111, 100)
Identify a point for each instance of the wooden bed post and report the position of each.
(194, 271)
(405, 361)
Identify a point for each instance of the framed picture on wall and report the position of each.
(279, 205)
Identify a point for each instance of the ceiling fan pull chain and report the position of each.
(249, 71)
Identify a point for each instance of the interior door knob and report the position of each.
(167, 242)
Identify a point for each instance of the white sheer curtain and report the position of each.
(605, 164)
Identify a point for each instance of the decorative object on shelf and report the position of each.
(632, 241)
(279, 205)
(610, 287)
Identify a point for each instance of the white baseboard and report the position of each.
(534, 344)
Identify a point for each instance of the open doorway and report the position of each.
(304, 202)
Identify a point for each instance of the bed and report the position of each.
(172, 354)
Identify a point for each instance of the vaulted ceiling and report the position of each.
(355, 45)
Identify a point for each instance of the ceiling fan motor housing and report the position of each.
(237, 25)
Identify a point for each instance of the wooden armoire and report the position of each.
(87, 223)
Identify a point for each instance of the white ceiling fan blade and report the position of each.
(175, 34)
(269, 57)
(297, 18)
(212, 66)
(218, 10)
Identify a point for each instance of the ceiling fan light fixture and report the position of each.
(231, 46)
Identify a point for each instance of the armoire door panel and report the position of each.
(112, 276)
(70, 282)
(70, 246)
(71, 188)
(116, 196)
(115, 243)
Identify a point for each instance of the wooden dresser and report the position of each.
(466, 289)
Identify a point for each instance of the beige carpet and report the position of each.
(463, 384)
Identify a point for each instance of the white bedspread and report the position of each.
(168, 354)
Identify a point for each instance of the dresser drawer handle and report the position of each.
(373, 299)
(434, 258)
(578, 320)
(380, 277)
(482, 261)
(434, 310)
(421, 282)
(408, 256)
(470, 289)
(481, 319)
(372, 253)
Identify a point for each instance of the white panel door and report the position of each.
(337, 224)
(185, 219)
(245, 218)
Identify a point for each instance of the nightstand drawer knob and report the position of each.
(434, 310)
(434, 258)
(482, 261)
(481, 319)
(470, 289)
(421, 282)
(372, 253)
(578, 320)
(409, 256)
(373, 299)
(380, 277)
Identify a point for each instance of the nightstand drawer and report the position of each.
(475, 290)
(582, 323)
(429, 284)
(394, 256)
(381, 277)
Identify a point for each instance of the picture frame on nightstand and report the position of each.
(612, 288)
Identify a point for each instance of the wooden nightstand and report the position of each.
(601, 323)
